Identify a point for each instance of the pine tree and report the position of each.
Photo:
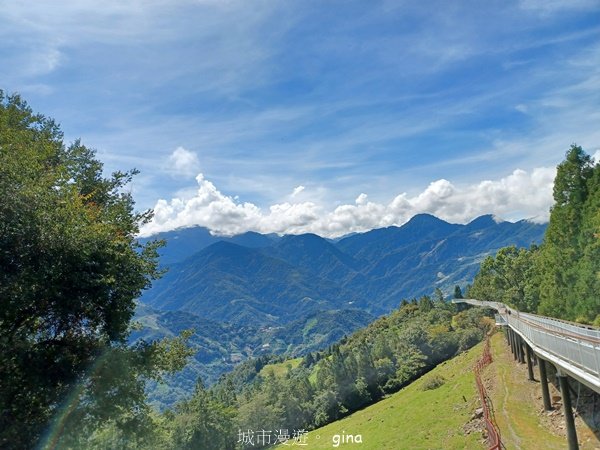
(458, 292)
(587, 306)
(561, 250)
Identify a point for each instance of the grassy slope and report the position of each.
(413, 418)
(434, 419)
(280, 369)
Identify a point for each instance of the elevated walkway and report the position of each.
(573, 349)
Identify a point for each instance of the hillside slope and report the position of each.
(219, 346)
(244, 286)
(415, 418)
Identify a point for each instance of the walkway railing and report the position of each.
(573, 348)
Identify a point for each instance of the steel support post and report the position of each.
(568, 411)
(514, 343)
(520, 349)
(544, 382)
(529, 362)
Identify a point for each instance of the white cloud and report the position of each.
(522, 108)
(519, 195)
(297, 190)
(44, 61)
(361, 199)
(183, 162)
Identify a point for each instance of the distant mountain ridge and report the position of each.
(184, 242)
(265, 279)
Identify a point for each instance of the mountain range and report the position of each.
(256, 279)
(254, 294)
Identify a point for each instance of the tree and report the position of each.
(508, 277)
(458, 292)
(425, 303)
(203, 422)
(70, 267)
(561, 249)
(586, 305)
(560, 278)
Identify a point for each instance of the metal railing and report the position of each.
(572, 348)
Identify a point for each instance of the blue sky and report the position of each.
(323, 116)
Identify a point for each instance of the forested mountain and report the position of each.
(184, 242)
(226, 281)
(219, 346)
(276, 280)
(318, 256)
(251, 294)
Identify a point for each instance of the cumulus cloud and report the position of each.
(519, 195)
(183, 162)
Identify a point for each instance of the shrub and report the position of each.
(432, 382)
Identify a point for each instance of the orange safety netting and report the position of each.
(493, 435)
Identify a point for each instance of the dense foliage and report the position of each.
(359, 370)
(220, 346)
(70, 269)
(327, 385)
(560, 278)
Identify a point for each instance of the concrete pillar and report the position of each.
(529, 362)
(544, 382)
(568, 411)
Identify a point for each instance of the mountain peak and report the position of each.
(302, 237)
(225, 248)
(425, 219)
(487, 220)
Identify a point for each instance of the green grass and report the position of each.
(280, 369)
(309, 326)
(414, 418)
(418, 418)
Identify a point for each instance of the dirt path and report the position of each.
(518, 406)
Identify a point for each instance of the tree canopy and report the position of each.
(560, 278)
(70, 270)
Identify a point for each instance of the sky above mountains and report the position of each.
(322, 116)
